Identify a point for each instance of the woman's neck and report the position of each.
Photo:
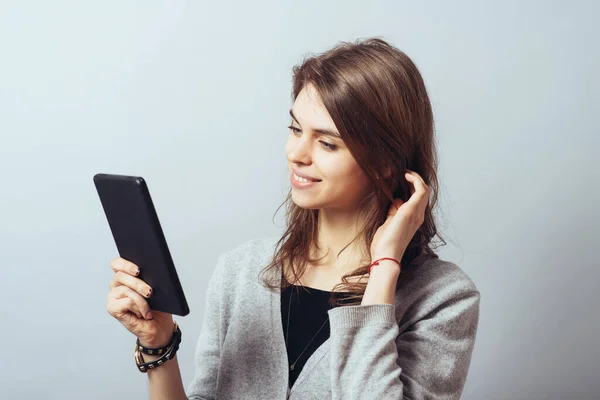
(336, 230)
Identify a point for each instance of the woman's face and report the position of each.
(314, 148)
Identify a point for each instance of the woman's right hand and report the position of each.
(127, 303)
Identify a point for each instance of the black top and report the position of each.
(308, 313)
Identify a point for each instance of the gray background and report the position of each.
(194, 97)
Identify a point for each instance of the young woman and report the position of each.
(351, 302)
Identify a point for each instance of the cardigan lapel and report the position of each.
(315, 358)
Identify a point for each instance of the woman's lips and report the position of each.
(303, 175)
(298, 184)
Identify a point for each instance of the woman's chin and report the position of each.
(304, 202)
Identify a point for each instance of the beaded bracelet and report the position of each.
(167, 355)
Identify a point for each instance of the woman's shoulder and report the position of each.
(247, 255)
(434, 285)
(251, 248)
(437, 276)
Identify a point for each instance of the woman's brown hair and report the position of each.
(377, 99)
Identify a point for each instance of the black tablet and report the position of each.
(139, 238)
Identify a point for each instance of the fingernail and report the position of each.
(149, 315)
(149, 292)
(137, 272)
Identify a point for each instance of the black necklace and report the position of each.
(288, 331)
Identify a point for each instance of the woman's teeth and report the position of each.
(296, 177)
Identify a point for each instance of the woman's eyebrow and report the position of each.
(326, 132)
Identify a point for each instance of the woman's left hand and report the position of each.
(402, 222)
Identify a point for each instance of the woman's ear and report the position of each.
(387, 174)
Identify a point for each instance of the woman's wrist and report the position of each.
(157, 342)
(148, 357)
(386, 266)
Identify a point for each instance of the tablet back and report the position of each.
(139, 238)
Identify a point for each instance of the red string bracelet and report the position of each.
(376, 262)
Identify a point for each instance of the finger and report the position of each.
(410, 179)
(419, 180)
(120, 264)
(141, 304)
(122, 278)
(414, 208)
(418, 188)
(119, 308)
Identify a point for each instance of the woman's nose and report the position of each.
(299, 151)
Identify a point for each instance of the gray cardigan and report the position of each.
(419, 348)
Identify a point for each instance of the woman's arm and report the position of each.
(429, 360)
(208, 347)
(165, 381)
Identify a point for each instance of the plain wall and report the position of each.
(194, 96)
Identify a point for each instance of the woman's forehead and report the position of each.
(309, 111)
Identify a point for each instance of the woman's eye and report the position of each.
(326, 145)
(294, 129)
